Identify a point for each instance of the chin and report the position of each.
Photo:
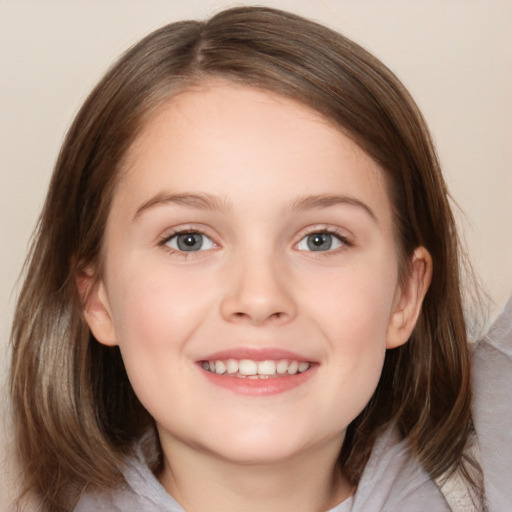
(258, 454)
(264, 446)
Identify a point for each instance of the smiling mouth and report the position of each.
(250, 369)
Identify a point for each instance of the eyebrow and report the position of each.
(200, 201)
(210, 202)
(326, 201)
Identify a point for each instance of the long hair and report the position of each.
(75, 413)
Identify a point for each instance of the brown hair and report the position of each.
(75, 412)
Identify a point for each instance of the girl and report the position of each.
(244, 290)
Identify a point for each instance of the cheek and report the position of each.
(355, 304)
(155, 314)
(354, 317)
(153, 305)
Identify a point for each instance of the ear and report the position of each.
(96, 308)
(409, 298)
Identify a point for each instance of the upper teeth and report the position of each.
(248, 367)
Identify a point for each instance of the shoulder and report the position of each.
(393, 481)
(136, 495)
(141, 492)
(492, 408)
(116, 500)
(497, 343)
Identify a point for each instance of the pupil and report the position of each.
(190, 242)
(319, 241)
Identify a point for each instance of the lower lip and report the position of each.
(259, 387)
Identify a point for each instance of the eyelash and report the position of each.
(341, 236)
(337, 233)
(182, 231)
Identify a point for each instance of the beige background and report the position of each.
(454, 55)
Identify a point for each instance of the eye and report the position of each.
(189, 242)
(321, 241)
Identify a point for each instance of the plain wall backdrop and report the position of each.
(455, 56)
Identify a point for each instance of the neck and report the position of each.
(309, 481)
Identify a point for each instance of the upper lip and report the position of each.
(255, 354)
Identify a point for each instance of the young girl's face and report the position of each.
(250, 276)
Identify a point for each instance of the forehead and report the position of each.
(210, 109)
(221, 137)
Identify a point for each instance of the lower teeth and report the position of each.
(238, 376)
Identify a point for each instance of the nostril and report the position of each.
(257, 319)
(257, 309)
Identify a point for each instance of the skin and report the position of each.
(256, 285)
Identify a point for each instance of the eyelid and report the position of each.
(342, 234)
(186, 228)
(325, 228)
(164, 238)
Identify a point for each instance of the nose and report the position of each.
(258, 292)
